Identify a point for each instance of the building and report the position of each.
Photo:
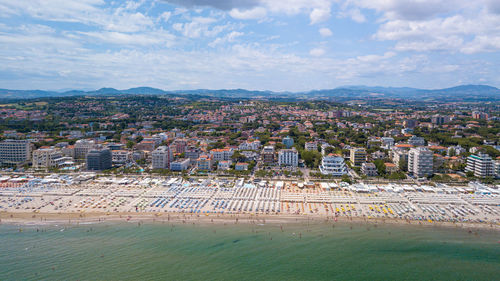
(288, 142)
(455, 150)
(479, 115)
(180, 165)
(205, 163)
(387, 142)
(14, 152)
(369, 169)
(99, 159)
(410, 123)
(420, 162)
(249, 145)
(357, 156)
(390, 168)
(222, 154)
(333, 165)
(481, 165)
(82, 147)
(241, 166)
(146, 145)
(161, 157)
(47, 158)
(267, 155)
(120, 157)
(399, 157)
(288, 157)
(224, 165)
(439, 119)
(311, 146)
(416, 141)
(192, 153)
(178, 146)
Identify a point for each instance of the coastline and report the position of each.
(75, 219)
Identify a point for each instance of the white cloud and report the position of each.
(317, 52)
(319, 15)
(325, 32)
(254, 13)
(230, 37)
(165, 16)
(199, 27)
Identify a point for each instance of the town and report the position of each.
(374, 140)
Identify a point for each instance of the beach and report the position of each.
(61, 199)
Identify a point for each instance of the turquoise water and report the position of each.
(156, 251)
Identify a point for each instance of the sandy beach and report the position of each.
(74, 219)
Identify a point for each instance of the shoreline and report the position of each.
(72, 219)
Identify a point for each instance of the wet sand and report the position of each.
(34, 219)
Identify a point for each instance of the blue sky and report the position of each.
(278, 45)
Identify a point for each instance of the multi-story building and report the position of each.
(47, 158)
(333, 164)
(179, 146)
(416, 141)
(120, 157)
(249, 145)
(205, 163)
(311, 146)
(146, 145)
(242, 166)
(439, 119)
(357, 156)
(410, 123)
(161, 157)
(479, 115)
(192, 153)
(387, 142)
(14, 152)
(369, 169)
(222, 154)
(288, 157)
(82, 147)
(223, 165)
(481, 165)
(420, 162)
(180, 165)
(288, 142)
(267, 155)
(99, 159)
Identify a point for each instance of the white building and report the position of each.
(369, 169)
(249, 145)
(14, 152)
(420, 162)
(161, 158)
(224, 165)
(180, 165)
(481, 165)
(120, 157)
(311, 146)
(47, 158)
(387, 142)
(222, 154)
(333, 165)
(82, 147)
(288, 157)
(416, 141)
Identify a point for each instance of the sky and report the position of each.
(278, 45)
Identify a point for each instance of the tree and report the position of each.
(130, 144)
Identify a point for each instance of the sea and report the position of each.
(291, 251)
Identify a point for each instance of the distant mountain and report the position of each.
(459, 93)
